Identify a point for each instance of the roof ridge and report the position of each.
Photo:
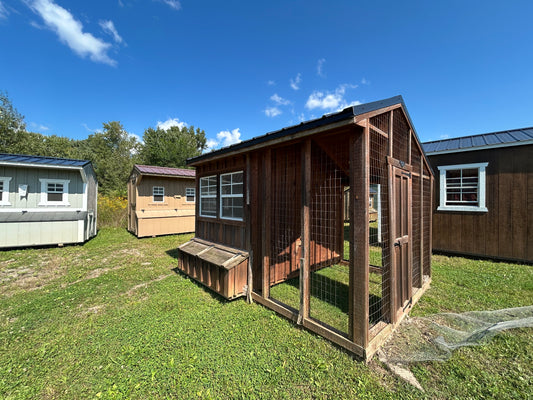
(45, 157)
(479, 134)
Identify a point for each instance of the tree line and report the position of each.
(113, 151)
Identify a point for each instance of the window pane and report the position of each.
(208, 207)
(462, 187)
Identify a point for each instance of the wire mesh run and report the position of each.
(329, 277)
(285, 249)
(379, 257)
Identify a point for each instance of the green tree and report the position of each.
(172, 147)
(12, 127)
(113, 153)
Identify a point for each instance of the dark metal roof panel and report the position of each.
(27, 159)
(504, 138)
(327, 119)
(155, 170)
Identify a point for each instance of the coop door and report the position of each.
(401, 245)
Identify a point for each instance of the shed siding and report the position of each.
(148, 218)
(31, 176)
(39, 233)
(506, 230)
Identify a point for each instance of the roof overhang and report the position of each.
(478, 148)
(353, 115)
(80, 168)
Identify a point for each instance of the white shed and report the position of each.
(46, 201)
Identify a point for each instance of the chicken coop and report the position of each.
(271, 223)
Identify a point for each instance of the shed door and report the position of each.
(401, 245)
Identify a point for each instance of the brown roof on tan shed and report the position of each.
(154, 170)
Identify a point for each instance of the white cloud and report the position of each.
(70, 32)
(229, 138)
(170, 123)
(271, 83)
(330, 100)
(319, 67)
(224, 138)
(272, 111)
(109, 27)
(444, 136)
(364, 81)
(295, 83)
(279, 100)
(89, 129)
(174, 4)
(3, 11)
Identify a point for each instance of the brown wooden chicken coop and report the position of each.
(270, 223)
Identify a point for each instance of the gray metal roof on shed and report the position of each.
(347, 113)
(167, 171)
(514, 137)
(25, 159)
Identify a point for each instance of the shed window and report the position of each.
(190, 195)
(231, 195)
(208, 196)
(158, 193)
(462, 187)
(4, 191)
(54, 192)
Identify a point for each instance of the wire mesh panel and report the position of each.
(285, 249)
(426, 234)
(329, 278)
(400, 136)
(417, 214)
(379, 257)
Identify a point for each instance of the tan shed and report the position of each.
(161, 200)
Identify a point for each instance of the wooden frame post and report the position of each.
(359, 230)
(305, 232)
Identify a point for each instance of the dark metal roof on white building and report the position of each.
(515, 137)
(25, 159)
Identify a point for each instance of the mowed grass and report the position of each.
(111, 320)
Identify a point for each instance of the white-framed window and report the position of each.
(208, 196)
(4, 191)
(231, 195)
(190, 195)
(463, 187)
(54, 192)
(158, 194)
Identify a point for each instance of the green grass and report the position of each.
(112, 320)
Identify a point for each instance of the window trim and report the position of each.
(5, 182)
(44, 192)
(208, 196)
(226, 196)
(159, 194)
(193, 194)
(482, 176)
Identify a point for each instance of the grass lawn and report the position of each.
(111, 319)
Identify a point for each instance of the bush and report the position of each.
(112, 211)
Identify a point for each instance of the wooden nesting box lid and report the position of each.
(223, 256)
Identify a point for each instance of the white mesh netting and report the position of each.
(433, 338)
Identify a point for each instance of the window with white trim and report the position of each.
(231, 195)
(462, 187)
(54, 192)
(4, 191)
(158, 193)
(190, 195)
(208, 196)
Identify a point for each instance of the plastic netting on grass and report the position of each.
(435, 337)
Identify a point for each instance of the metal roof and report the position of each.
(347, 113)
(154, 170)
(515, 137)
(24, 159)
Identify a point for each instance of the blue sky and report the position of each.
(242, 69)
